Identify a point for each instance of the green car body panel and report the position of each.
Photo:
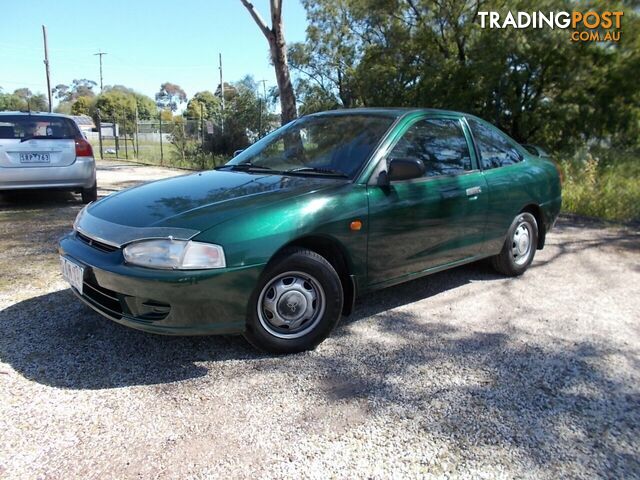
(410, 228)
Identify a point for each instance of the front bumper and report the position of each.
(80, 174)
(159, 301)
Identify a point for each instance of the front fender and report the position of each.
(256, 235)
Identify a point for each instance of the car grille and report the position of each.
(103, 247)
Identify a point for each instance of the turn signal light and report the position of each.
(83, 148)
(356, 225)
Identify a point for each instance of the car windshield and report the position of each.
(323, 145)
(36, 126)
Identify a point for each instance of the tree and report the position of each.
(118, 102)
(23, 93)
(245, 117)
(63, 107)
(209, 102)
(278, 49)
(535, 84)
(170, 96)
(22, 100)
(81, 106)
(82, 87)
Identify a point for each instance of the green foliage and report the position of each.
(535, 84)
(245, 118)
(63, 107)
(81, 106)
(23, 100)
(606, 186)
(205, 102)
(118, 104)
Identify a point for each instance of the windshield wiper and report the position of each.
(321, 171)
(245, 167)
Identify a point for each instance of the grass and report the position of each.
(604, 184)
(150, 153)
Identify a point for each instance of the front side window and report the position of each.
(439, 143)
(330, 143)
(36, 126)
(496, 150)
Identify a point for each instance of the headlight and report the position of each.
(174, 254)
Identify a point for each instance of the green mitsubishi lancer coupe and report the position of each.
(278, 243)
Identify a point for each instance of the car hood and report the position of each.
(186, 205)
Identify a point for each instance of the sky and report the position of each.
(148, 42)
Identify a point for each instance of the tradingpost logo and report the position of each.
(588, 26)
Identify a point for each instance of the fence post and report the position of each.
(100, 133)
(137, 134)
(161, 152)
(124, 129)
(116, 137)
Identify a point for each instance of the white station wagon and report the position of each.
(45, 150)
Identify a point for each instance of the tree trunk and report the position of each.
(278, 49)
(287, 95)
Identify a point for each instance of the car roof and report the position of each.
(40, 114)
(394, 112)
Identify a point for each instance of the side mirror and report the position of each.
(238, 152)
(405, 169)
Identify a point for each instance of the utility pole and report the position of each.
(46, 64)
(264, 87)
(100, 54)
(221, 92)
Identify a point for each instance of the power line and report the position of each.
(100, 54)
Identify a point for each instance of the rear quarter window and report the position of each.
(496, 149)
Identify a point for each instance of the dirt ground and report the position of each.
(460, 374)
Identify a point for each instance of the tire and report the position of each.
(519, 247)
(296, 304)
(90, 194)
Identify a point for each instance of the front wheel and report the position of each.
(296, 303)
(519, 247)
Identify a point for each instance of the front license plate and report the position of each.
(35, 158)
(72, 273)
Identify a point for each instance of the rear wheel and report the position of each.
(519, 247)
(90, 194)
(296, 303)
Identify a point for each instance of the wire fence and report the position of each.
(184, 143)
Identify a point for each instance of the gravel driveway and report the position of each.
(460, 374)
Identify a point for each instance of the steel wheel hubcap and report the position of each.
(291, 305)
(521, 244)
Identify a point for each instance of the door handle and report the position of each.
(449, 193)
(473, 191)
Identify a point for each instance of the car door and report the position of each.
(435, 220)
(36, 141)
(509, 180)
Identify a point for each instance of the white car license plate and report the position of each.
(35, 158)
(72, 273)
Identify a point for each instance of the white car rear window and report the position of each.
(36, 126)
